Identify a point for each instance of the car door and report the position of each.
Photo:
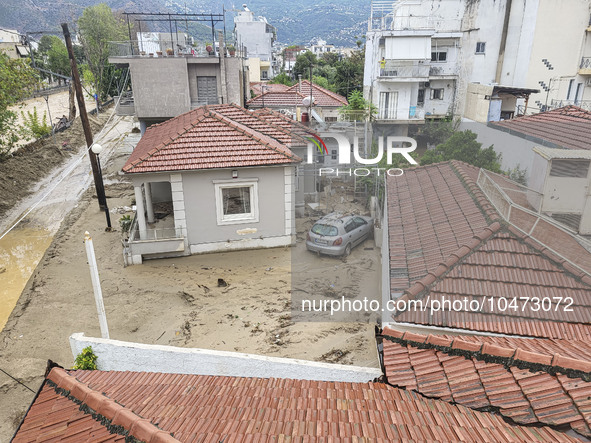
(350, 228)
(361, 229)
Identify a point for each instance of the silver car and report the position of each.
(336, 234)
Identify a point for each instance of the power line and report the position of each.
(17, 380)
(66, 173)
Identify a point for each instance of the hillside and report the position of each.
(297, 21)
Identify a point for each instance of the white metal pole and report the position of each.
(96, 285)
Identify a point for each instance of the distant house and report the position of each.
(213, 179)
(325, 106)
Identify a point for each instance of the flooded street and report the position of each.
(20, 252)
(23, 247)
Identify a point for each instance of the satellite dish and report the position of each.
(306, 101)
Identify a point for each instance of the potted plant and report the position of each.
(159, 53)
(169, 52)
(231, 50)
(208, 48)
(143, 53)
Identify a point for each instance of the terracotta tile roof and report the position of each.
(287, 123)
(257, 87)
(231, 409)
(568, 127)
(294, 95)
(211, 137)
(527, 387)
(446, 242)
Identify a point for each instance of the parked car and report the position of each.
(336, 234)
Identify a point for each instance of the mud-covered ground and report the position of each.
(171, 301)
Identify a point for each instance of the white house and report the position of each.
(216, 178)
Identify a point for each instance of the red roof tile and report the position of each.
(528, 387)
(223, 136)
(294, 95)
(568, 127)
(257, 87)
(446, 244)
(232, 409)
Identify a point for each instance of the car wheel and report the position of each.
(347, 250)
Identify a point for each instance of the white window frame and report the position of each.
(437, 52)
(252, 216)
(476, 51)
(433, 93)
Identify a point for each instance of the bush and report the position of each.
(86, 359)
(33, 127)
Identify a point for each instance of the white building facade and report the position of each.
(421, 55)
(257, 36)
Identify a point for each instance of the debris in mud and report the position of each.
(334, 356)
(222, 283)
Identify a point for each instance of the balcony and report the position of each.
(584, 104)
(163, 239)
(585, 66)
(160, 48)
(414, 114)
(443, 70)
(405, 69)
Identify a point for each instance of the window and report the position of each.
(578, 93)
(236, 201)
(330, 119)
(570, 88)
(480, 47)
(437, 94)
(359, 221)
(421, 97)
(333, 154)
(207, 90)
(438, 56)
(350, 226)
(264, 75)
(387, 106)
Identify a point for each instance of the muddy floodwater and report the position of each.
(20, 252)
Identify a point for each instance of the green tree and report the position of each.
(303, 63)
(58, 60)
(358, 108)
(462, 145)
(17, 80)
(349, 74)
(98, 26)
(282, 78)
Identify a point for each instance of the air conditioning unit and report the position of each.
(588, 82)
(427, 84)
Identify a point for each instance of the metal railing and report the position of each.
(158, 48)
(584, 104)
(443, 69)
(154, 234)
(585, 63)
(526, 219)
(404, 69)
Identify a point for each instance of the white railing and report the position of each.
(159, 48)
(525, 219)
(136, 235)
(405, 69)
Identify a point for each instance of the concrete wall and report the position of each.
(571, 18)
(115, 355)
(516, 151)
(201, 210)
(160, 86)
(477, 106)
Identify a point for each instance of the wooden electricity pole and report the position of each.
(98, 182)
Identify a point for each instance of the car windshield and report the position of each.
(327, 230)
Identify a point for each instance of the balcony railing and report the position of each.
(405, 69)
(584, 104)
(443, 70)
(413, 113)
(585, 63)
(159, 48)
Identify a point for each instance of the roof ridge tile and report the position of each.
(116, 414)
(573, 368)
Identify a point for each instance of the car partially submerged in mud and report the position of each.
(336, 234)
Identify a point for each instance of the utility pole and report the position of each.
(98, 183)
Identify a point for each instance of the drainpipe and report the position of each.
(223, 79)
(300, 83)
(503, 42)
